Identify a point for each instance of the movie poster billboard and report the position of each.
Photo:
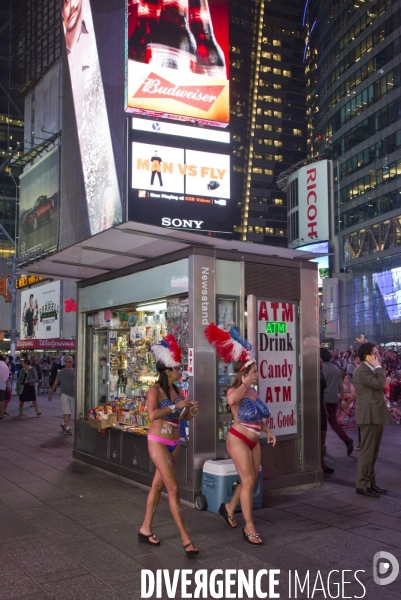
(104, 207)
(179, 178)
(39, 205)
(40, 312)
(178, 59)
(277, 363)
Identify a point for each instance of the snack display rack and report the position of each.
(124, 367)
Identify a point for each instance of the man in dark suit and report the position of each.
(371, 414)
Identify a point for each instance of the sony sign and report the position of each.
(313, 203)
(181, 223)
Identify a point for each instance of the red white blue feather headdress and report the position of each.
(168, 352)
(229, 345)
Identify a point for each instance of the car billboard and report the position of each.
(39, 206)
(178, 60)
(179, 182)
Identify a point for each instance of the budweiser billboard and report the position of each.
(178, 59)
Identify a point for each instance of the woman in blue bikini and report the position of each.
(248, 410)
(166, 405)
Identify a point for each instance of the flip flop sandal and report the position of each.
(246, 537)
(223, 512)
(145, 539)
(190, 553)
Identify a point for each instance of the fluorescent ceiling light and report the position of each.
(155, 307)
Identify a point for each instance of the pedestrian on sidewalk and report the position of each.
(166, 405)
(323, 424)
(66, 378)
(12, 368)
(248, 412)
(26, 386)
(4, 382)
(371, 414)
(334, 386)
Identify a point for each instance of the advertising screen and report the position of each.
(178, 59)
(389, 285)
(39, 205)
(102, 192)
(323, 261)
(40, 312)
(179, 182)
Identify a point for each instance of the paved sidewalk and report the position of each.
(69, 531)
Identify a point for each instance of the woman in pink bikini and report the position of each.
(248, 410)
(166, 405)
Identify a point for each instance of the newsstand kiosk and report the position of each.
(270, 294)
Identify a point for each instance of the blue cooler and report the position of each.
(219, 480)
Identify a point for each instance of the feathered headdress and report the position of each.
(168, 352)
(229, 345)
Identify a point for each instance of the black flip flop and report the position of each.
(190, 553)
(246, 537)
(145, 539)
(223, 512)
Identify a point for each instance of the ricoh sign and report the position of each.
(313, 194)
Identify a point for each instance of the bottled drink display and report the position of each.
(147, 18)
(209, 56)
(173, 44)
(176, 34)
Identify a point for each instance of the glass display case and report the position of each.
(123, 366)
(227, 317)
(100, 366)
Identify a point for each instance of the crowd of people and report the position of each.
(389, 359)
(368, 377)
(27, 377)
(369, 380)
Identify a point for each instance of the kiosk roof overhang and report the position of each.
(131, 243)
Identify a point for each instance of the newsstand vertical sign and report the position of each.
(277, 363)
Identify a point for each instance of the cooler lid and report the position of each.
(220, 467)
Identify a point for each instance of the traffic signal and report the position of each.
(324, 323)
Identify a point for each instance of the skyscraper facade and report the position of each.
(268, 75)
(352, 60)
(11, 130)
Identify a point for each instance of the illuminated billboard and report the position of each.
(179, 182)
(178, 60)
(39, 206)
(104, 208)
(309, 192)
(323, 269)
(40, 312)
(389, 285)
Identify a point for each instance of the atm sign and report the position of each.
(276, 327)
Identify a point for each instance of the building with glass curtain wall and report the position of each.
(352, 59)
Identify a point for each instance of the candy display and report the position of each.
(124, 364)
(102, 416)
